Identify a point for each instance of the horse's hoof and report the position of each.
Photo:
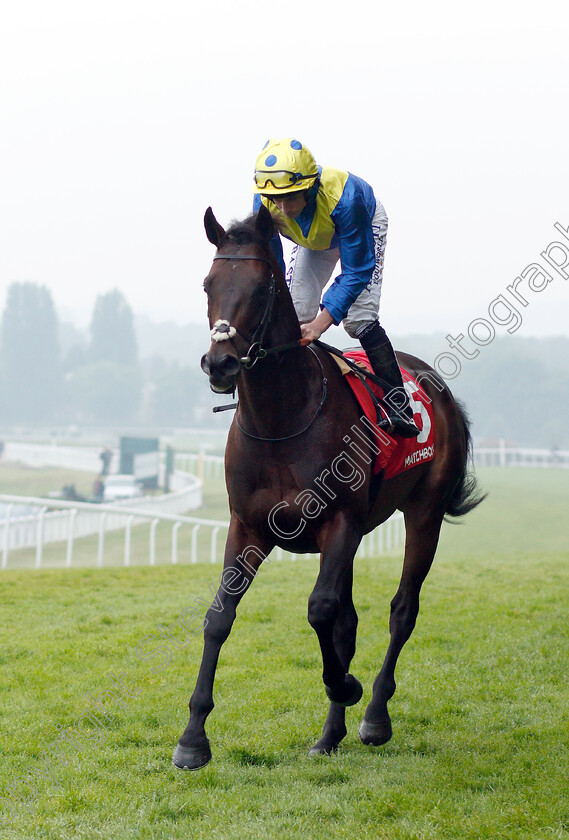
(375, 734)
(316, 750)
(322, 748)
(350, 694)
(191, 758)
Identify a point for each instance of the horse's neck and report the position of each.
(278, 395)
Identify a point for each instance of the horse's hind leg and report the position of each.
(420, 546)
(345, 642)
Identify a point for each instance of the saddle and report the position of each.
(394, 454)
(363, 371)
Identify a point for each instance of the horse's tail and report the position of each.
(466, 495)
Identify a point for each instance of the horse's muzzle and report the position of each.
(222, 370)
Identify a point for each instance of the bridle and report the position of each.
(223, 331)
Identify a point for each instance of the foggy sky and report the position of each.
(122, 121)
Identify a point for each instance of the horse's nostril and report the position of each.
(229, 365)
(226, 365)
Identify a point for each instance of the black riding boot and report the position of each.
(382, 359)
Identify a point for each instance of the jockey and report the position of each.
(332, 215)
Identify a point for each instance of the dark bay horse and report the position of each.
(291, 483)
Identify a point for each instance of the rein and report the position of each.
(308, 425)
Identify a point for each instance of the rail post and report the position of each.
(39, 537)
(6, 536)
(153, 525)
(69, 554)
(101, 546)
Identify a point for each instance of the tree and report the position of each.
(29, 350)
(172, 393)
(104, 383)
(104, 392)
(113, 338)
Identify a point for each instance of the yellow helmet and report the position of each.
(284, 166)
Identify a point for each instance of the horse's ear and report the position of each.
(213, 229)
(264, 224)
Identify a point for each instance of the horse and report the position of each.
(292, 421)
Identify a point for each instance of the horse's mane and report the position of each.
(243, 232)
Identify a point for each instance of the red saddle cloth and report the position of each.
(393, 453)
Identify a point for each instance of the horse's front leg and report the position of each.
(243, 556)
(324, 609)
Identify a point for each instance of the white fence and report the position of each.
(88, 458)
(507, 456)
(54, 455)
(58, 521)
(68, 521)
(64, 522)
(201, 465)
(211, 466)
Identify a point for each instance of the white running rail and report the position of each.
(508, 456)
(54, 455)
(204, 466)
(63, 522)
(59, 521)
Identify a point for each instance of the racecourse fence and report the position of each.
(210, 466)
(54, 455)
(25, 538)
(508, 456)
(64, 526)
(64, 523)
(88, 458)
(201, 465)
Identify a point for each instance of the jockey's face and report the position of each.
(291, 204)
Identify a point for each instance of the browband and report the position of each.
(243, 257)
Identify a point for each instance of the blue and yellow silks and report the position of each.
(338, 214)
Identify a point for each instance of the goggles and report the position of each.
(280, 179)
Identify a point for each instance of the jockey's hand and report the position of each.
(314, 329)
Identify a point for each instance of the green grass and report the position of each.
(481, 713)
(21, 480)
(85, 550)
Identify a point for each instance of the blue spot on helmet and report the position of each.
(296, 144)
(270, 160)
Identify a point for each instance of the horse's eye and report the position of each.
(205, 285)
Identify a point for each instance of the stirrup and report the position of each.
(404, 428)
(397, 425)
(384, 423)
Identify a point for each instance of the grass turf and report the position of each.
(480, 746)
(21, 480)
